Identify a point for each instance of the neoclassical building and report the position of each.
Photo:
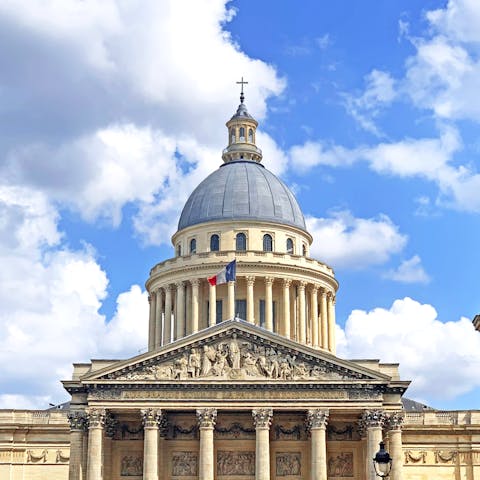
(241, 380)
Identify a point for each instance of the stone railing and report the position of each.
(442, 418)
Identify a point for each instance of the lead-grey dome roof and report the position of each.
(242, 190)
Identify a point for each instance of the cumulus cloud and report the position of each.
(426, 348)
(409, 271)
(345, 241)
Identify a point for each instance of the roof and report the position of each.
(242, 190)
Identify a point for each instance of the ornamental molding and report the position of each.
(445, 456)
(418, 457)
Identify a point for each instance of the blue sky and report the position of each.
(113, 112)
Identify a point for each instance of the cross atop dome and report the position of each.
(242, 83)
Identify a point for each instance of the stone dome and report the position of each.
(242, 190)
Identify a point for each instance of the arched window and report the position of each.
(242, 134)
(232, 135)
(193, 245)
(289, 245)
(179, 250)
(267, 243)
(304, 250)
(250, 135)
(241, 242)
(214, 243)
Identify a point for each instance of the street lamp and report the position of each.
(382, 462)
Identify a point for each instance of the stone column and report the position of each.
(373, 421)
(212, 316)
(323, 320)
(314, 315)
(395, 422)
(150, 417)
(301, 307)
(286, 308)
(188, 308)
(96, 422)
(231, 299)
(158, 318)
(262, 418)
(331, 323)
(167, 334)
(206, 422)
(195, 304)
(268, 304)
(250, 300)
(293, 314)
(152, 300)
(180, 309)
(317, 423)
(77, 422)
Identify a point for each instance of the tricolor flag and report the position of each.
(225, 275)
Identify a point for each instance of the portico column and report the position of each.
(152, 300)
(180, 310)
(317, 422)
(150, 418)
(167, 335)
(250, 301)
(96, 422)
(395, 422)
(188, 308)
(323, 320)
(286, 307)
(331, 322)
(158, 318)
(231, 299)
(212, 314)
(206, 422)
(314, 315)
(262, 418)
(268, 304)
(195, 284)
(77, 422)
(373, 421)
(301, 308)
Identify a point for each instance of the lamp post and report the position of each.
(382, 462)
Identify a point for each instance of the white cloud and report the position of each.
(409, 271)
(348, 242)
(427, 349)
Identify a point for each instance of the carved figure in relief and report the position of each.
(181, 368)
(184, 464)
(220, 363)
(301, 370)
(236, 463)
(131, 466)
(288, 464)
(340, 465)
(250, 364)
(285, 371)
(234, 354)
(208, 357)
(194, 362)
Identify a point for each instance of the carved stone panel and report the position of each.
(235, 463)
(128, 431)
(288, 464)
(131, 465)
(342, 432)
(340, 465)
(184, 464)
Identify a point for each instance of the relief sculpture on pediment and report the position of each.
(235, 359)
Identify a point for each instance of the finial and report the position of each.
(242, 96)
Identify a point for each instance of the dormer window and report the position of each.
(250, 135)
(242, 134)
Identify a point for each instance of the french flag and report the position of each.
(227, 274)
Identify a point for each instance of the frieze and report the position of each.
(342, 432)
(296, 432)
(340, 465)
(445, 457)
(235, 358)
(129, 431)
(412, 457)
(131, 465)
(288, 464)
(184, 464)
(234, 431)
(231, 463)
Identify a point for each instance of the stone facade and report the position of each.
(240, 380)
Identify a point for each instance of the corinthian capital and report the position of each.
(317, 418)
(262, 417)
(373, 418)
(206, 417)
(151, 417)
(395, 420)
(77, 420)
(96, 417)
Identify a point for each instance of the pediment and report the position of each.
(234, 351)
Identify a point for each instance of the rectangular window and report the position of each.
(262, 314)
(219, 311)
(241, 309)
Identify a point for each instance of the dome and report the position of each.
(242, 190)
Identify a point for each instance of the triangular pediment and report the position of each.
(234, 351)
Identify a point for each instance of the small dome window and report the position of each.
(232, 135)
(242, 134)
(304, 250)
(289, 245)
(179, 250)
(241, 242)
(250, 135)
(214, 243)
(267, 243)
(193, 245)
